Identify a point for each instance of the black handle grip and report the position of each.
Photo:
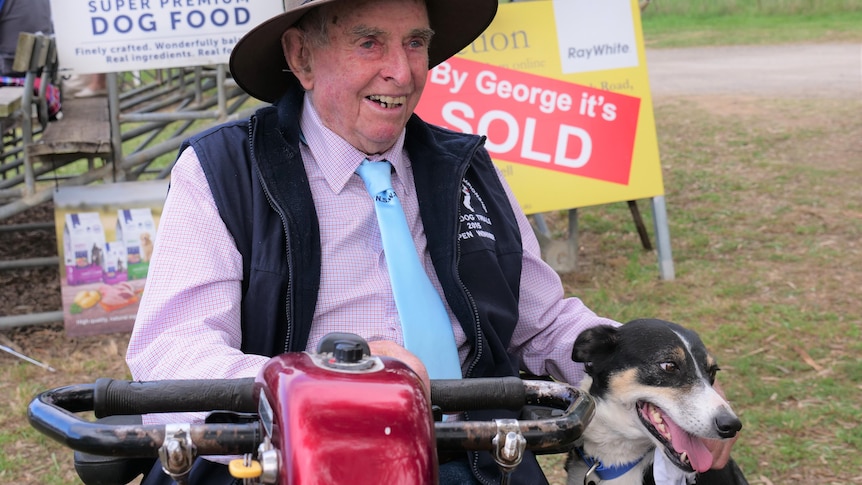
(112, 397)
(482, 393)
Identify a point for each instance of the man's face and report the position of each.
(366, 82)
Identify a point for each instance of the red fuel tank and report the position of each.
(359, 420)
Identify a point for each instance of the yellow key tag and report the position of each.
(239, 469)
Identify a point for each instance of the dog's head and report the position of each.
(662, 373)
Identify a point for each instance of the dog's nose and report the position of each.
(727, 424)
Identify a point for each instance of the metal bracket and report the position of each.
(177, 453)
(509, 445)
(269, 461)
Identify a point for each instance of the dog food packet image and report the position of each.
(83, 248)
(114, 267)
(118, 296)
(136, 230)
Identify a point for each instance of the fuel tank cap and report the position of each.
(346, 352)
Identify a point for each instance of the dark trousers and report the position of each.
(453, 473)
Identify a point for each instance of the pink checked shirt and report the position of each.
(188, 324)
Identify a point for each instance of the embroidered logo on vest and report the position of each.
(476, 228)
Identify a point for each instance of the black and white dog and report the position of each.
(653, 385)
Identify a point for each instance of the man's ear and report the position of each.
(298, 56)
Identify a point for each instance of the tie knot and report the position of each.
(376, 175)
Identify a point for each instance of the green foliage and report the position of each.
(683, 23)
(750, 8)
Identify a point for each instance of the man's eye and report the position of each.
(368, 44)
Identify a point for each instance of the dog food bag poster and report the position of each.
(105, 238)
(561, 91)
(135, 233)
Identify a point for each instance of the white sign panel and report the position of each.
(125, 35)
(595, 35)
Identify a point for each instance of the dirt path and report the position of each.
(811, 70)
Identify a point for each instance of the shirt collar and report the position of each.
(337, 159)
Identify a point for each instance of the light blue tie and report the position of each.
(425, 324)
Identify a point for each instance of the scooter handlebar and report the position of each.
(52, 413)
(541, 435)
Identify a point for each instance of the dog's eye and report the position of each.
(669, 366)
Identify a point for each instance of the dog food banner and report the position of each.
(561, 90)
(125, 35)
(105, 238)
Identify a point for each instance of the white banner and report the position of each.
(126, 35)
(595, 35)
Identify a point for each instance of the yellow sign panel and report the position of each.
(561, 90)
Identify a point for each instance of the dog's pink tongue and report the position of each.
(698, 454)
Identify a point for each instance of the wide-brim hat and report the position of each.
(257, 61)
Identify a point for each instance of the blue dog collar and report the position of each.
(606, 472)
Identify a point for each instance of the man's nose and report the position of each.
(397, 66)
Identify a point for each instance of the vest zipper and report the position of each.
(471, 366)
(289, 292)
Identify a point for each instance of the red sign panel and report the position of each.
(535, 120)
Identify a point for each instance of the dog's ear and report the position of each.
(594, 343)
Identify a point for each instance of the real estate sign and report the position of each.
(561, 90)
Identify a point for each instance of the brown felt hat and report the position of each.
(257, 62)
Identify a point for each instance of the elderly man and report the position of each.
(269, 240)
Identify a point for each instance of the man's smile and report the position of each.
(388, 101)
